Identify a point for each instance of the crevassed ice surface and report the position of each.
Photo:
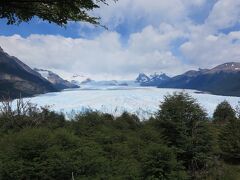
(142, 101)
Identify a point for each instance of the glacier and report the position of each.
(142, 101)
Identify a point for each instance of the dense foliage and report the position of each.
(230, 141)
(56, 11)
(179, 143)
(184, 123)
(223, 113)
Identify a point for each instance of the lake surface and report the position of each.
(142, 101)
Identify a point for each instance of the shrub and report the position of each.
(184, 123)
(229, 141)
(160, 162)
(223, 113)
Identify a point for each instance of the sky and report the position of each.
(169, 36)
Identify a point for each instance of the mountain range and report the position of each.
(58, 82)
(19, 80)
(220, 80)
(85, 81)
(152, 80)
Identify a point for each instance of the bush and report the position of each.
(184, 123)
(37, 143)
(127, 122)
(159, 162)
(223, 113)
(43, 154)
(229, 141)
(27, 115)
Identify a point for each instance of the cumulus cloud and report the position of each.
(224, 14)
(207, 45)
(161, 36)
(154, 39)
(212, 50)
(137, 13)
(100, 56)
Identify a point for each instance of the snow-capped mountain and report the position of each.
(91, 83)
(227, 67)
(155, 78)
(221, 80)
(55, 79)
(86, 82)
(151, 80)
(17, 79)
(142, 78)
(77, 79)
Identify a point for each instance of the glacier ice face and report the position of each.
(142, 101)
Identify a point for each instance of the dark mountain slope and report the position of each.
(55, 79)
(17, 79)
(221, 80)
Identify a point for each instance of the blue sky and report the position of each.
(169, 36)
(38, 27)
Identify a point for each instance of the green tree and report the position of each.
(21, 154)
(53, 11)
(184, 123)
(223, 113)
(127, 121)
(229, 141)
(43, 154)
(159, 162)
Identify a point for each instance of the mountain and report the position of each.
(152, 80)
(156, 79)
(77, 79)
(92, 83)
(55, 79)
(220, 80)
(227, 67)
(88, 81)
(16, 79)
(142, 78)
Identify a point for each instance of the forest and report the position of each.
(179, 142)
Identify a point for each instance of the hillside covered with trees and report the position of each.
(180, 142)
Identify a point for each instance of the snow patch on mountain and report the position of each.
(78, 79)
(55, 79)
(151, 80)
(142, 78)
(44, 73)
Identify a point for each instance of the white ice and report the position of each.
(142, 101)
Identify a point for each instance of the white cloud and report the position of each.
(135, 12)
(211, 50)
(101, 56)
(207, 45)
(154, 39)
(152, 47)
(224, 14)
